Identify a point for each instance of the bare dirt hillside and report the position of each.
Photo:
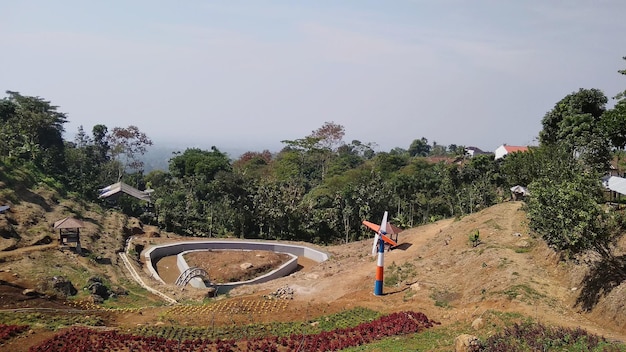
(435, 270)
(440, 273)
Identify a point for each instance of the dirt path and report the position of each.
(23, 250)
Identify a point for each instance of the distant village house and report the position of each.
(473, 151)
(504, 149)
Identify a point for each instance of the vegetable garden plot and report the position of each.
(252, 329)
(8, 332)
(232, 307)
(84, 339)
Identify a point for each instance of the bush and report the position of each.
(474, 237)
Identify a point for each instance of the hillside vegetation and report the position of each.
(510, 277)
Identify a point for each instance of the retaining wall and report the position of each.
(153, 254)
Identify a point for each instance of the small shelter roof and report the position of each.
(520, 189)
(393, 230)
(68, 223)
(122, 187)
(615, 184)
(4, 208)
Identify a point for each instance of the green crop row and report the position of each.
(344, 319)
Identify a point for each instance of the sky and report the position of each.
(250, 74)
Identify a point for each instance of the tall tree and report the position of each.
(101, 143)
(614, 121)
(129, 144)
(304, 156)
(364, 150)
(330, 135)
(585, 102)
(8, 128)
(82, 172)
(576, 123)
(419, 147)
(33, 130)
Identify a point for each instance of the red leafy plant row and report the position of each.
(84, 339)
(7, 332)
(539, 337)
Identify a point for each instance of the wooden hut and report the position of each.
(69, 231)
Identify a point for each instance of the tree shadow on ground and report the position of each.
(601, 279)
(35, 198)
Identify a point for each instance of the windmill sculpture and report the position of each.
(380, 240)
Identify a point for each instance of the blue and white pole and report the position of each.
(380, 264)
(378, 241)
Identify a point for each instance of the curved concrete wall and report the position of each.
(153, 254)
(289, 267)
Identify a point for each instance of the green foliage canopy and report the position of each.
(564, 204)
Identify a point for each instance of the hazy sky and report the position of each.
(249, 74)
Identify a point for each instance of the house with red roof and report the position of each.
(504, 149)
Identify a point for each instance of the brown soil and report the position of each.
(436, 271)
(233, 266)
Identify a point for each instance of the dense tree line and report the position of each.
(319, 188)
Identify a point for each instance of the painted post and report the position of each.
(380, 264)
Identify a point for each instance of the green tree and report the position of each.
(584, 102)
(364, 150)
(519, 168)
(101, 143)
(614, 122)
(227, 205)
(576, 122)
(348, 157)
(419, 147)
(438, 149)
(317, 150)
(414, 188)
(83, 171)
(564, 203)
(301, 159)
(253, 164)
(198, 162)
(32, 130)
(389, 163)
(456, 150)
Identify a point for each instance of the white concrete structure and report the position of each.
(154, 253)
